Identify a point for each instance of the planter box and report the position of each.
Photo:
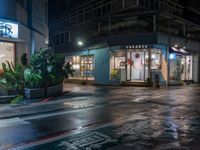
(53, 90)
(6, 99)
(38, 93)
(34, 93)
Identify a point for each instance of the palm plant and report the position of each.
(12, 77)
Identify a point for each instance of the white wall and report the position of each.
(39, 41)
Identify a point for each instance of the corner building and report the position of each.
(131, 41)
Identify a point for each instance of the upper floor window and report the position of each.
(23, 3)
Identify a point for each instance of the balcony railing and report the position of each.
(105, 8)
(170, 7)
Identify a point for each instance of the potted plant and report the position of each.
(33, 85)
(114, 74)
(48, 72)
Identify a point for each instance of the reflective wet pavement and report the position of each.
(110, 118)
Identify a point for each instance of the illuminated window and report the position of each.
(87, 66)
(6, 53)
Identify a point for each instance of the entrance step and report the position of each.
(142, 84)
(78, 81)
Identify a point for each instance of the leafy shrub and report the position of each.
(12, 77)
(32, 80)
(47, 69)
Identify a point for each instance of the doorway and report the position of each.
(137, 69)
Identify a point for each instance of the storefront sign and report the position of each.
(8, 29)
(137, 46)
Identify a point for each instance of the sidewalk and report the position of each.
(72, 93)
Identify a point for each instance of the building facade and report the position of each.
(130, 41)
(23, 28)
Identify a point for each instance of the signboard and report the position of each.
(8, 29)
(142, 46)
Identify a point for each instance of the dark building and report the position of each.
(131, 40)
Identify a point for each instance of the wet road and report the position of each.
(111, 118)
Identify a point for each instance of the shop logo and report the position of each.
(137, 55)
(8, 29)
(137, 46)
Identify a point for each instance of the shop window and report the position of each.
(87, 66)
(186, 68)
(75, 63)
(175, 68)
(82, 65)
(155, 60)
(180, 68)
(120, 62)
(6, 53)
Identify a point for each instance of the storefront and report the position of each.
(136, 63)
(8, 31)
(181, 65)
(122, 59)
(83, 66)
(114, 65)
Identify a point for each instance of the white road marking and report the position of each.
(12, 122)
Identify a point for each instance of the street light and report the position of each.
(80, 43)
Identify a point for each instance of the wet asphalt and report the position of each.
(106, 117)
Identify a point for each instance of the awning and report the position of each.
(178, 50)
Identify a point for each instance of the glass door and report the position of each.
(137, 66)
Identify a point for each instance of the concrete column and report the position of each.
(109, 23)
(168, 64)
(99, 27)
(149, 66)
(154, 23)
(195, 68)
(32, 38)
(123, 4)
(69, 38)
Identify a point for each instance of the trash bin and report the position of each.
(157, 79)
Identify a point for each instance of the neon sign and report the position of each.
(8, 29)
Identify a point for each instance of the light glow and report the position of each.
(172, 56)
(80, 43)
